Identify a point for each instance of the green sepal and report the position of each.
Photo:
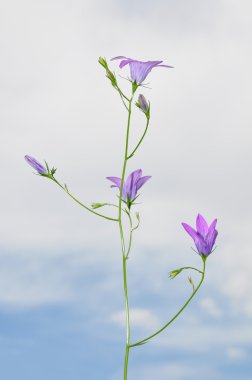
(134, 87)
(97, 205)
(53, 171)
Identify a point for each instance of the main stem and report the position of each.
(124, 257)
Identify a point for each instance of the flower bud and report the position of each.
(111, 77)
(143, 105)
(102, 61)
(174, 273)
(97, 205)
(36, 165)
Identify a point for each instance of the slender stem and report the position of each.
(131, 234)
(200, 271)
(81, 204)
(122, 94)
(127, 348)
(178, 313)
(123, 97)
(140, 141)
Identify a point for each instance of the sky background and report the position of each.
(61, 291)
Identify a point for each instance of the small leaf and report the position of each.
(138, 216)
(191, 282)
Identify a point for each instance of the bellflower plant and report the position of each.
(204, 236)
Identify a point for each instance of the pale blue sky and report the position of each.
(61, 297)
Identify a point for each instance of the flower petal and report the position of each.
(142, 181)
(210, 239)
(140, 70)
(125, 61)
(212, 226)
(116, 181)
(201, 245)
(130, 183)
(202, 227)
(118, 57)
(191, 231)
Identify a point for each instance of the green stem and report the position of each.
(127, 348)
(140, 141)
(131, 234)
(200, 271)
(123, 97)
(178, 313)
(81, 204)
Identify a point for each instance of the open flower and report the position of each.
(131, 186)
(138, 69)
(36, 165)
(204, 238)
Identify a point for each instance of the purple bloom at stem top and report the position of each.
(36, 165)
(131, 186)
(138, 69)
(204, 238)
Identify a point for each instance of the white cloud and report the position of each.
(140, 318)
(209, 305)
(176, 371)
(236, 353)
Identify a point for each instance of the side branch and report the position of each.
(178, 313)
(81, 204)
(140, 141)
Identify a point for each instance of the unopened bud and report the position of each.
(111, 77)
(143, 105)
(37, 166)
(174, 273)
(97, 205)
(102, 61)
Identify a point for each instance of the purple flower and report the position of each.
(204, 238)
(131, 186)
(36, 165)
(138, 69)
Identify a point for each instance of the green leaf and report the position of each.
(191, 282)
